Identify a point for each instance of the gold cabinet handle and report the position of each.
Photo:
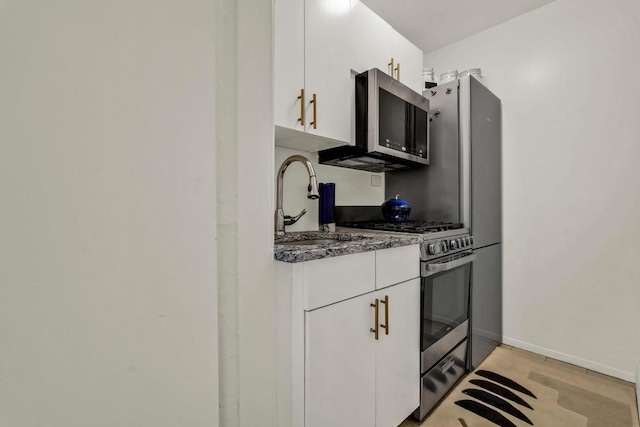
(375, 306)
(390, 64)
(314, 101)
(301, 98)
(385, 301)
(398, 72)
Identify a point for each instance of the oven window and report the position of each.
(445, 303)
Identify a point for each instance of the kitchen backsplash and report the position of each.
(353, 187)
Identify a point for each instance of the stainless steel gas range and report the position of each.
(446, 259)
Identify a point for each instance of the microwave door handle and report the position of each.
(435, 268)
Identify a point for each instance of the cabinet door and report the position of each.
(409, 56)
(289, 62)
(372, 38)
(328, 68)
(340, 365)
(398, 355)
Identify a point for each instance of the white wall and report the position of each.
(107, 214)
(566, 76)
(353, 188)
(245, 213)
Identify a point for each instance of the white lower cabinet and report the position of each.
(340, 365)
(352, 379)
(398, 356)
(332, 370)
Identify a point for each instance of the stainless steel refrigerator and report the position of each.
(464, 184)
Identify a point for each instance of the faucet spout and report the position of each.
(312, 188)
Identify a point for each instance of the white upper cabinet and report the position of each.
(319, 45)
(372, 36)
(312, 74)
(327, 61)
(289, 62)
(378, 45)
(408, 62)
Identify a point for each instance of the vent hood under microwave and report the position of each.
(392, 127)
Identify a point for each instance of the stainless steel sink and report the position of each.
(311, 242)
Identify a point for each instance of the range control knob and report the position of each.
(461, 243)
(468, 239)
(443, 245)
(471, 240)
(433, 249)
(453, 244)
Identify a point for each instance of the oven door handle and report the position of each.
(435, 268)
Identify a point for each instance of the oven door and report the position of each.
(444, 306)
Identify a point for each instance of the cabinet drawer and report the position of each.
(331, 280)
(397, 265)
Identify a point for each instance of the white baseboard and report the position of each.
(638, 387)
(593, 366)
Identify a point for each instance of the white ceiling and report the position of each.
(432, 24)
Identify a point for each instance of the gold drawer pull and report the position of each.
(385, 301)
(301, 98)
(398, 72)
(375, 330)
(314, 101)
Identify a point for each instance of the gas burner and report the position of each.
(421, 227)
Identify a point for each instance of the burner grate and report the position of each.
(421, 227)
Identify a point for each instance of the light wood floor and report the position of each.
(567, 395)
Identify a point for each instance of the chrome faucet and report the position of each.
(280, 218)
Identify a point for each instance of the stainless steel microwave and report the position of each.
(391, 127)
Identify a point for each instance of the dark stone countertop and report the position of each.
(343, 242)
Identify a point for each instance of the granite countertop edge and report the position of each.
(358, 242)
